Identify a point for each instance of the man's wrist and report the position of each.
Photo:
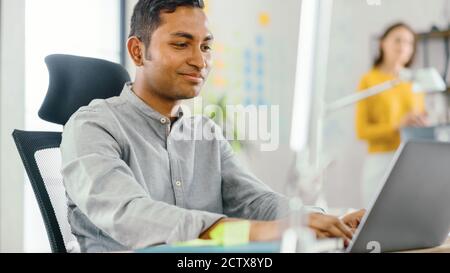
(259, 230)
(264, 231)
(206, 235)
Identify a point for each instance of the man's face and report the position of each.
(179, 54)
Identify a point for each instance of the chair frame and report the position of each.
(41, 141)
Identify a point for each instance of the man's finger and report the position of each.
(342, 231)
(334, 226)
(321, 235)
(354, 219)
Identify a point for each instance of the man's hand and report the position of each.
(329, 226)
(352, 220)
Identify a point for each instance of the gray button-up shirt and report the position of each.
(135, 180)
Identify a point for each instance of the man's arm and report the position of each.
(245, 197)
(323, 225)
(260, 231)
(104, 188)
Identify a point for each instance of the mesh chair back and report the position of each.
(42, 160)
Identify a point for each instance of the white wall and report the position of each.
(12, 85)
(355, 25)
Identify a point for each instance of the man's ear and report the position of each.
(136, 50)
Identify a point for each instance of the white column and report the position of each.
(12, 89)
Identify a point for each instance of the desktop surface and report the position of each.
(270, 247)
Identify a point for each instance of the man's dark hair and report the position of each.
(146, 15)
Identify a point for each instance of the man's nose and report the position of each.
(198, 59)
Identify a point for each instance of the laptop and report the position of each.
(412, 209)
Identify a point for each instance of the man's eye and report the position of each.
(206, 48)
(180, 45)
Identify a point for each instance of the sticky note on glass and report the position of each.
(231, 233)
(264, 19)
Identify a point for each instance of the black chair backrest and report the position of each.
(76, 81)
(28, 144)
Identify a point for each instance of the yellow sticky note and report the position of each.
(206, 2)
(219, 81)
(264, 19)
(219, 64)
(232, 233)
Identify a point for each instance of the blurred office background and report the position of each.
(258, 61)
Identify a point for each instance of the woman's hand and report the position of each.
(415, 120)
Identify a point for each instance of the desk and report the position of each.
(445, 248)
(273, 247)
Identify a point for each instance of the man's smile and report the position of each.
(193, 77)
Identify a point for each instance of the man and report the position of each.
(134, 175)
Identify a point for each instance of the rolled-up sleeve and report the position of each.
(104, 188)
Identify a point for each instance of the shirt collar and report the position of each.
(137, 102)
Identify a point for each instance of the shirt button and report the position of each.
(163, 120)
(178, 183)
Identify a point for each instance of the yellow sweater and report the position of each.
(378, 117)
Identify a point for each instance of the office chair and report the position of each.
(74, 82)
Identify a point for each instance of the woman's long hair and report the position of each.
(380, 59)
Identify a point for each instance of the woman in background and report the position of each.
(380, 118)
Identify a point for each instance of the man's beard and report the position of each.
(180, 96)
